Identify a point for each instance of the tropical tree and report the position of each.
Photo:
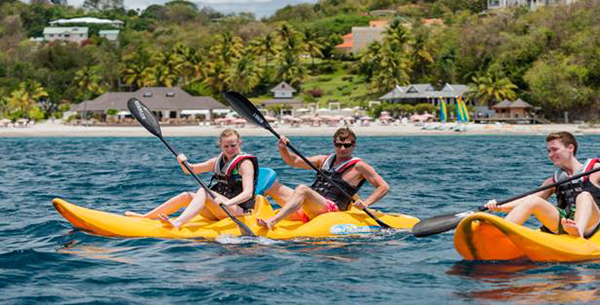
(192, 64)
(370, 60)
(23, 100)
(313, 44)
(290, 69)
(492, 88)
(422, 52)
(167, 69)
(216, 76)
(266, 47)
(397, 33)
(135, 66)
(89, 82)
(244, 74)
(227, 49)
(393, 69)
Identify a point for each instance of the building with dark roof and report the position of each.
(425, 93)
(164, 102)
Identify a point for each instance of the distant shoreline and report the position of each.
(59, 130)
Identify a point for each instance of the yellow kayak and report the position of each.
(484, 236)
(326, 225)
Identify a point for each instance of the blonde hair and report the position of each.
(227, 133)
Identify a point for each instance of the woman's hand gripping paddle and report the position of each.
(443, 223)
(147, 119)
(246, 109)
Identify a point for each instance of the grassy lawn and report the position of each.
(339, 86)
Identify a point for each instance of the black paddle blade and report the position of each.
(143, 115)
(438, 224)
(246, 109)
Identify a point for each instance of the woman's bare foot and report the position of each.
(133, 214)
(164, 219)
(265, 223)
(570, 226)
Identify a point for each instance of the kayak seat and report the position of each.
(266, 178)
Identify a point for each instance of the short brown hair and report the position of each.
(344, 134)
(566, 138)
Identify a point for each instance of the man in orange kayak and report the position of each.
(321, 197)
(577, 212)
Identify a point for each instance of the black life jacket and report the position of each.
(567, 193)
(229, 181)
(323, 187)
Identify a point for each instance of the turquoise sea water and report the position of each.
(44, 260)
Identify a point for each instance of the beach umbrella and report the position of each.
(349, 118)
(5, 121)
(270, 118)
(416, 117)
(316, 118)
(366, 118)
(239, 121)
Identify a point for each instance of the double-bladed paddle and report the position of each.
(443, 223)
(246, 109)
(147, 119)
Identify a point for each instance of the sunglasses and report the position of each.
(346, 145)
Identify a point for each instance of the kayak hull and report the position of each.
(326, 225)
(483, 236)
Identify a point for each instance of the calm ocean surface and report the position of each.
(44, 260)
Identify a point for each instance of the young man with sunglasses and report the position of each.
(346, 171)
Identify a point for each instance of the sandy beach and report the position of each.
(57, 129)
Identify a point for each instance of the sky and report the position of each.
(260, 8)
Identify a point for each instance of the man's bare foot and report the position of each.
(133, 214)
(164, 219)
(265, 223)
(570, 226)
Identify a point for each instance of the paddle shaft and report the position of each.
(208, 191)
(443, 223)
(379, 221)
(543, 188)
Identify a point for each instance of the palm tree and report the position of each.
(192, 64)
(216, 76)
(396, 33)
(135, 67)
(492, 88)
(88, 81)
(24, 98)
(244, 74)
(290, 69)
(422, 52)
(393, 70)
(370, 60)
(167, 68)
(227, 49)
(312, 44)
(266, 47)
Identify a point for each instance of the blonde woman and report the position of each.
(236, 175)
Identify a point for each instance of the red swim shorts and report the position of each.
(301, 216)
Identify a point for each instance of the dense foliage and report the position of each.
(549, 57)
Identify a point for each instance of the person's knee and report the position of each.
(584, 197)
(302, 189)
